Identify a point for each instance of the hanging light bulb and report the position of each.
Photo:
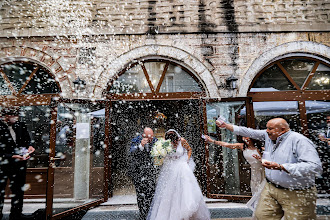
(323, 80)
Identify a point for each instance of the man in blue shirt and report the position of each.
(292, 164)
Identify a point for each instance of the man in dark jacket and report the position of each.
(142, 170)
(15, 150)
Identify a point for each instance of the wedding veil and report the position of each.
(172, 130)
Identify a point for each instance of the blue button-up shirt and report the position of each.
(294, 151)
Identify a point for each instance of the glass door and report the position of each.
(35, 120)
(77, 162)
(228, 174)
(318, 118)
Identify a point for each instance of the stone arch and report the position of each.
(276, 52)
(19, 53)
(161, 51)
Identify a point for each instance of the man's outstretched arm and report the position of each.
(243, 131)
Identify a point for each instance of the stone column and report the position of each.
(82, 160)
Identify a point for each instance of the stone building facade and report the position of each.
(215, 39)
(96, 41)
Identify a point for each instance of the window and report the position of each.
(321, 79)
(278, 81)
(31, 87)
(149, 78)
(26, 78)
(293, 74)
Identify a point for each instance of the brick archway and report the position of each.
(186, 59)
(272, 54)
(16, 53)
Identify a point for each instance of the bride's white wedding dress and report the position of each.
(177, 195)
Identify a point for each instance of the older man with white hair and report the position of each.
(292, 164)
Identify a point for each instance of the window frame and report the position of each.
(17, 98)
(300, 94)
(155, 92)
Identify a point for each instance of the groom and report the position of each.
(142, 171)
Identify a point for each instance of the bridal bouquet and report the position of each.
(161, 148)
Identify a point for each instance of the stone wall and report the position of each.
(95, 40)
(211, 57)
(62, 17)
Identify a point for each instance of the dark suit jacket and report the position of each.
(141, 162)
(8, 147)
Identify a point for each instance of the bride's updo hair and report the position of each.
(172, 136)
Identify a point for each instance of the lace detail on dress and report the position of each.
(179, 152)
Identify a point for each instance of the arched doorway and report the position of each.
(66, 172)
(30, 87)
(158, 93)
(296, 87)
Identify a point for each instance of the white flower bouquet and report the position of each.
(161, 148)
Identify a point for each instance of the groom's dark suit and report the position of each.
(142, 172)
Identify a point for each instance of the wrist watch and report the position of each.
(280, 167)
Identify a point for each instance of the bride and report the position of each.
(177, 195)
